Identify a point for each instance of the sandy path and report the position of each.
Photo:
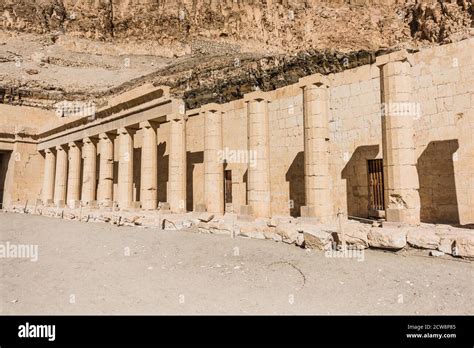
(171, 272)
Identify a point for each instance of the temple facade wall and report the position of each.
(393, 139)
(444, 80)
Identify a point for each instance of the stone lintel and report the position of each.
(73, 144)
(258, 96)
(156, 110)
(92, 140)
(398, 56)
(108, 135)
(129, 129)
(148, 124)
(212, 107)
(50, 150)
(178, 109)
(138, 95)
(316, 79)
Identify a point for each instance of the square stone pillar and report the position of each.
(106, 170)
(125, 168)
(258, 175)
(316, 148)
(89, 154)
(213, 163)
(177, 164)
(149, 162)
(60, 182)
(402, 199)
(74, 176)
(49, 174)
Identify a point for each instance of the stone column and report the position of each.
(258, 175)
(106, 170)
(89, 154)
(74, 176)
(316, 148)
(125, 169)
(60, 182)
(48, 179)
(213, 164)
(177, 164)
(149, 171)
(402, 199)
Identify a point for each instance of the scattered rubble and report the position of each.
(423, 238)
(387, 238)
(439, 239)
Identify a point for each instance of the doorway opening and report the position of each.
(376, 188)
(4, 159)
(228, 191)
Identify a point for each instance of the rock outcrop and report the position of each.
(206, 51)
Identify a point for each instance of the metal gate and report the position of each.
(376, 188)
(228, 190)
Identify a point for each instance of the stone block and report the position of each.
(423, 238)
(308, 211)
(163, 206)
(74, 204)
(288, 232)
(387, 238)
(246, 210)
(464, 247)
(315, 237)
(200, 208)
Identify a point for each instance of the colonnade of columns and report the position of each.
(63, 167)
(70, 175)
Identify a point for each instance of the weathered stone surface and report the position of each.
(446, 245)
(464, 247)
(163, 206)
(387, 238)
(355, 235)
(277, 238)
(288, 232)
(315, 237)
(205, 217)
(300, 240)
(168, 224)
(424, 238)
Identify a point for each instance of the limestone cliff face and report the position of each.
(272, 25)
(205, 50)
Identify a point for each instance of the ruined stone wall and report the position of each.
(442, 84)
(287, 151)
(234, 126)
(26, 117)
(24, 175)
(355, 136)
(443, 79)
(194, 161)
(163, 161)
(443, 136)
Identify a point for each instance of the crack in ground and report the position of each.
(292, 265)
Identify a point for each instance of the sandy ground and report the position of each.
(95, 268)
